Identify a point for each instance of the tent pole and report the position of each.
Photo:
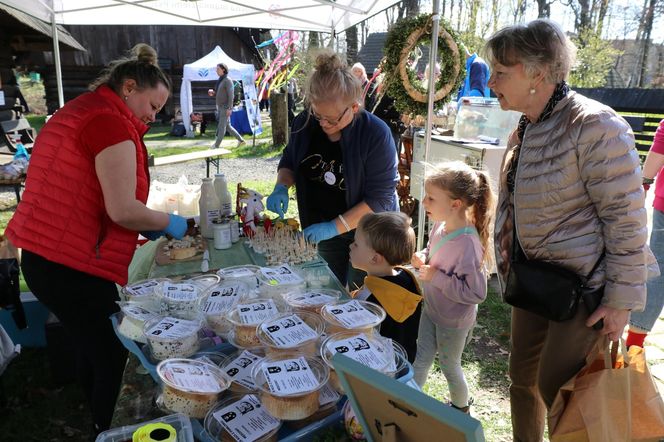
(56, 59)
(433, 55)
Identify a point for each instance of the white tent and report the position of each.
(205, 69)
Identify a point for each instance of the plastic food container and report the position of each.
(374, 351)
(238, 367)
(190, 387)
(170, 337)
(215, 358)
(131, 320)
(220, 299)
(143, 292)
(352, 315)
(312, 300)
(279, 280)
(289, 385)
(204, 281)
(246, 273)
(291, 332)
(245, 317)
(181, 425)
(241, 418)
(327, 404)
(181, 300)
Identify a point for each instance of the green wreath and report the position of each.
(401, 82)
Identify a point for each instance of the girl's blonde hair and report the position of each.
(472, 187)
(331, 80)
(140, 65)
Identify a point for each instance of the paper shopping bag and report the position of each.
(610, 399)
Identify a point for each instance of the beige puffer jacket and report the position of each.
(579, 190)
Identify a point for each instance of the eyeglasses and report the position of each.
(332, 122)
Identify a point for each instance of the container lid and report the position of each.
(204, 281)
(238, 367)
(145, 287)
(215, 358)
(290, 375)
(223, 296)
(192, 376)
(312, 298)
(353, 314)
(179, 292)
(290, 330)
(243, 418)
(254, 311)
(236, 272)
(168, 329)
(371, 351)
(282, 275)
(137, 311)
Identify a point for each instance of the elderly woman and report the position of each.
(342, 161)
(572, 184)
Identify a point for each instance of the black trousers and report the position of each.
(83, 303)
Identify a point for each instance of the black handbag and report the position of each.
(546, 289)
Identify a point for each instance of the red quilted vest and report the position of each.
(61, 216)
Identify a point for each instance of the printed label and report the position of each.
(212, 215)
(142, 289)
(246, 420)
(289, 376)
(257, 312)
(237, 273)
(281, 275)
(180, 292)
(222, 299)
(137, 312)
(360, 349)
(239, 370)
(289, 331)
(352, 315)
(312, 298)
(172, 328)
(327, 395)
(191, 377)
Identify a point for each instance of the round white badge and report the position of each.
(329, 178)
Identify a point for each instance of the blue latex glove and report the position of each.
(177, 226)
(153, 235)
(316, 233)
(277, 202)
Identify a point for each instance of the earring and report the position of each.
(125, 97)
(532, 91)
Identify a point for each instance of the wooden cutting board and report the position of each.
(162, 259)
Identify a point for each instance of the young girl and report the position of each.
(452, 270)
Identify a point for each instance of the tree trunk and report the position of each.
(474, 9)
(351, 44)
(494, 14)
(603, 9)
(279, 111)
(412, 7)
(543, 9)
(647, 30)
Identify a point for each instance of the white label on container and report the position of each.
(237, 273)
(212, 215)
(191, 377)
(246, 420)
(312, 298)
(352, 315)
(180, 292)
(289, 376)
(222, 299)
(172, 328)
(257, 312)
(137, 312)
(227, 208)
(289, 331)
(281, 275)
(360, 349)
(239, 370)
(142, 289)
(327, 394)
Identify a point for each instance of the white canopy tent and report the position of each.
(205, 69)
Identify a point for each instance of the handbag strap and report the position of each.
(450, 236)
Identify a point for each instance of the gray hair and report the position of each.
(540, 45)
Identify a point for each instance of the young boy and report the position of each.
(383, 241)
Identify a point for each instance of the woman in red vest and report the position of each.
(82, 209)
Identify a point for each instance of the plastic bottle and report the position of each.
(224, 195)
(208, 208)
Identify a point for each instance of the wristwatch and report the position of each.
(648, 181)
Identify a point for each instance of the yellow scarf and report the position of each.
(398, 302)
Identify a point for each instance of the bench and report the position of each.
(16, 183)
(644, 128)
(211, 156)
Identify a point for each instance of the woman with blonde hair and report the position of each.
(342, 161)
(82, 209)
(570, 196)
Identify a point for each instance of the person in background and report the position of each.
(641, 323)
(571, 182)
(477, 77)
(368, 92)
(224, 93)
(385, 110)
(264, 104)
(341, 160)
(82, 209)
(383, 242)
(452, 267)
